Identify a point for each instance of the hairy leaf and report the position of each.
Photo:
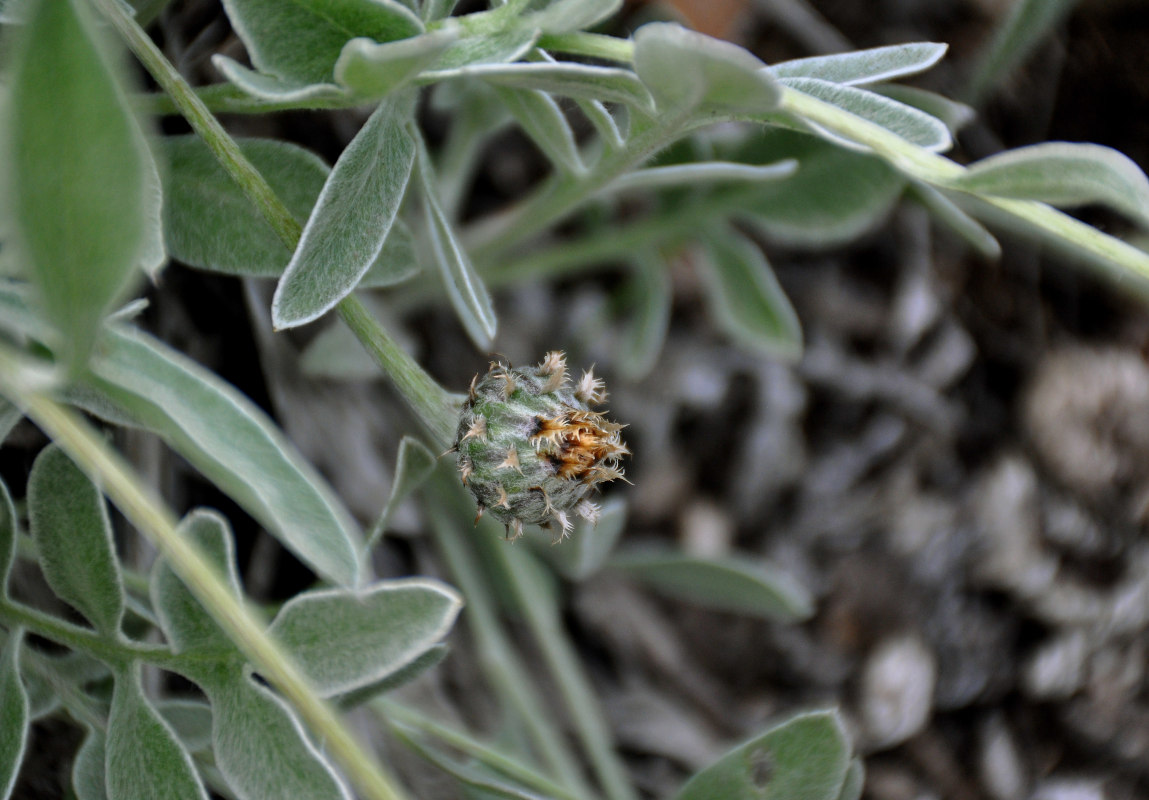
(413, 466)
(371, 69)
(276, 89)
(607, 84)
(69, 522)
(491, 48)
(8, 533)
(862, 67)
(544, 122)
(568, 16)
(13, 713)
(89, 779)
(351, 219)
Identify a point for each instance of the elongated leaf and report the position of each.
(734, 583)
(955, 115)
(153, 253)
(544, 122)
(235, 445)
(862, 67)
(835, 196)
(185, 622)
(8, 532)
(568, 16)
(413, 466)
(649, 295)
(302, 40)
(805, 758)
(916, 127)
(1063, 174)
(351, 218)
(210, 223)
(370, 69)
(76, 172)
(397, 261)
(1022, 28)
(745, 298)
(13, 713)
(142, 752)
(465, 288)
(701, 173)
(961, 223)
(684, 70)
(276, 89)
(261, 748)
(346, 640)
(69, 522)
(607, 84)
(89, 780)
(492, 48)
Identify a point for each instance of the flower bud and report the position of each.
(531, 450)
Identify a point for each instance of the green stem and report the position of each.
(1110, 254)
(392, 713)
(536, 602)
(590, 45)
(500, 664)
(155, 520)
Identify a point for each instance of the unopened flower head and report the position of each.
(531, 449)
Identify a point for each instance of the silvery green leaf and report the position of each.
(437, 9)
(153, 254)
(397, 261)
(252, 729)
(491, 48)
(604, 123)
(544, 122)
(371, 69)
(336, 353)
(9, 530)
(806, 757)
(948, 213)
(746, 300)
(861, 67)
(1063, 174)
(278, 89)
(76, 172)
(955, 115)
(569, 16)
(89, 780)
(855, 781)
(916, 127)
(234, 444)
(1023, 27)
(191, 721)
(465, 288)
(649, 296)
(606, 84)
(702, 173)
(590, 544)
(351, 219)
(302, 41)
(735, 583)
(69, 522)
(13, 713)
(428, 659)
(186, 624)
(835, 196)
(211, 224)
(142, 752)
(344, 640)
(413, 466)
(685, 70)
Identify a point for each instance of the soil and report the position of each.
(958, 468)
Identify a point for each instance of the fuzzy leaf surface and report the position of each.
(735, 583)
(8, 532)
(69, 522)
(351, 219)
(805, 758)
(276, 89)
(685, 70)
(916, 127)
(413, 466)
(608, 84)
(955, 115)
(76, 167)
(861, 67)
(210, 223)
(568, 16)
(302, 39)
(14, 716)
(191, 721)
(691, 175)
(234, 444)
(261, 747)
(89, 779)
(371, 69)
(345, 640)
(10, 416)
(465, 288)
(143, 755)
(746, 299)
(1063, 174)
(494, 48)
(397, 261)
(544, 122)
(187, 624)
